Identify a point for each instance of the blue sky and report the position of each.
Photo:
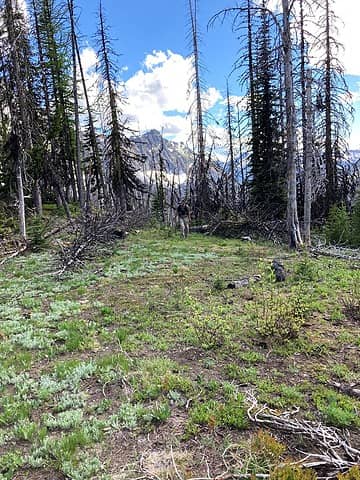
(151, 37)
(141, 26)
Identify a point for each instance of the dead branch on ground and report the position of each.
(336, 454)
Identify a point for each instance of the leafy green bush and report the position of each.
(213, 413)
(9, 463)
(337, 228)
(306, 270)
(355, 225)
(338, 410)
(36, 230)
(292, 472)
(278, 318)
(209, 326)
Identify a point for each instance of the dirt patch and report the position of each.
(39, 474)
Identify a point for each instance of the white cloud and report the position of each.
(163, 83)
(89, 60)
(158, 95)
(349, 12)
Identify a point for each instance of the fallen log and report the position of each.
(11, 255)
(337, 253)
(348, 389)
(335, 452)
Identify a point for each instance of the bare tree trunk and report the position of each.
(79, 175)
(308, 160)
(292, 214)
(329, 154)
(251, 72)
(21, 200)
(99, 171)
(243, 190)
(202, 190)
(231, 148)
(37, 199)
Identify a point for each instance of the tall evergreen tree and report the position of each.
(267, 165)
(123, 161)
(54, 55)
(17, 86)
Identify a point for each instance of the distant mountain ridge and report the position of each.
(177, 156)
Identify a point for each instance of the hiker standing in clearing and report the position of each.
(183, 212)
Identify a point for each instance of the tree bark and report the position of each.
(295, 239)
(308, 159)
(79, 174)
(231, 148)
(21, 200)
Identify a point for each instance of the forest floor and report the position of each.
(142, 364)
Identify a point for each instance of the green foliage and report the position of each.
(351, 300)
(36, 230)
(242, 375)
(251, 357)
(14, 410)
(337, 409)
(293, 472)
(76, 334)
(64, 420)
(355, 225)
(83, 468)
(121, 334)
(9, 463)
(278, 318)
(219, 284)
(342, 372)
(352, 474)
(158, 413)
(337, 228)
(8, 222)
(28, 430)
(306, 270)
(213, 413)
(209, 326)
(280, 395)
(258, 455)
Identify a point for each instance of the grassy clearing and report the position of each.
(148, 350)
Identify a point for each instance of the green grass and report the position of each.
(148, 343)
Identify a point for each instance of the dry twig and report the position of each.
(336, 454)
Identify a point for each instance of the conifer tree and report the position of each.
(123, 161)
(53, 42)
(267, 166)
(18, 94)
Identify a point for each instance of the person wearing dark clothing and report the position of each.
(183, 212)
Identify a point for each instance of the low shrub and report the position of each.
(292, 472)
(337, 228)
(352, 474)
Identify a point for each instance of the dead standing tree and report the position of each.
(123, 159)
(293, 226)
(201, 201)
(16, 59)
(308, 154)
(77, 150)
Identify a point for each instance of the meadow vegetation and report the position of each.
(140, 363)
